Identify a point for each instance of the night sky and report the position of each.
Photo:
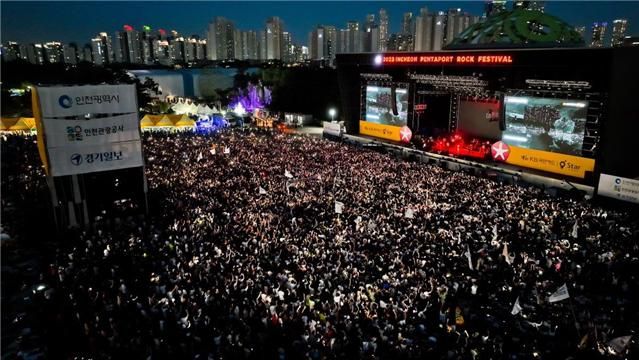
(80, 21)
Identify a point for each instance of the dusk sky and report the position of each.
(80, 21)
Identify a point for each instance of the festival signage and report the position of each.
(618, 187)
(64, 132)
(447, 59)
(70, 160)
(557, 163)
(70, 142)
(90, 99)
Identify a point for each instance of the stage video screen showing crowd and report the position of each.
(295, 247)
(386, 105)
(555, 125)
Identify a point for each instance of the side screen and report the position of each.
(555, 125)
(380, 109)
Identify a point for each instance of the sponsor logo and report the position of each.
(76, 159)
(65, 101)
(617, 181)
(500, 151)
(405, 134)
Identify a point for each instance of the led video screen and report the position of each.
(555, 125)
(379, 106)
(480, 119)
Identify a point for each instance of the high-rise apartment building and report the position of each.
(619, 28)
(287, 47)
(53, 52)
(383, 29)
(11, 51)
(424, 30)
(70, 52)
(274, 38)
(439, 27)
(408, 24)
(126, 46)
(101, 49)
(598, 34)
(221, 39)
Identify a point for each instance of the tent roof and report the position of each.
(21, 124)
(6, 123)
(165, 121)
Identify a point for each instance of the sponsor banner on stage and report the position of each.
(71, 160)
(92, 99)
(618, 187)
(334, 129)
(63, 132)
(569, 165)
(380, 131)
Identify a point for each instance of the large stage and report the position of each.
(563, 118)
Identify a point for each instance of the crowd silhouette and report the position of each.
(244, 256)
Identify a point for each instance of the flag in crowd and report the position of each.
(516, 308)
(339, 207)
(470, 259)
(262, 191)
(288, 174)
(560, 294)
(620, 344)
(409, 213)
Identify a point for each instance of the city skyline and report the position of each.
(299, 18)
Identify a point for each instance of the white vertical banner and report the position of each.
(618, 187)
(86, 159)
(61, 101)
(64, 132)
(339, 207)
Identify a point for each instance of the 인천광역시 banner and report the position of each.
(89, 99)
(618, 187)
(63, 132)
(71, 160)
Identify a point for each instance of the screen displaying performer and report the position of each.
(555, 125)
(379, 106)
(480, 119)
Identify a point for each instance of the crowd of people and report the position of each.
(294, 247)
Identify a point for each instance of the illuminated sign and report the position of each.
(420, 107)
(569, 165)
(439, 59)
(380, 131)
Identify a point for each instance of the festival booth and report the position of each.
(22, 124)
(167, 123)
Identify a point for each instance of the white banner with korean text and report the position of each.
(91, 99)
(70, 160)
(618, 187)
(63, 132)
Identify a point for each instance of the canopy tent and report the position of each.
(6, 123)
(181, 120)
(150, 120)
(18, 124)
(165, 121)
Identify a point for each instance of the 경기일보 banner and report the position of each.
(92, 99)
(67, 160)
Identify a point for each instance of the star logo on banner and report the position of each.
(500, 151)
(405, 134)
